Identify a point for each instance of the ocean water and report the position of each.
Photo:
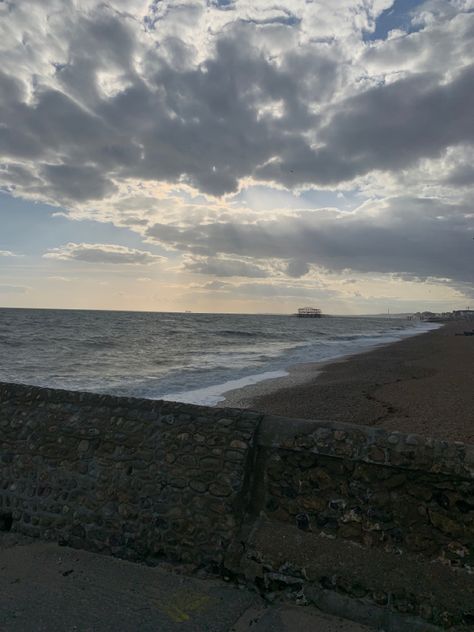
(184, 357)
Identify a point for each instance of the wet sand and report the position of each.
(423, 385)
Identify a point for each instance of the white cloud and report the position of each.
(102, 254)
(214, 286)
(8, 253)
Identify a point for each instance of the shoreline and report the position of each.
(228, 393)
(421, 384)
(300, 374)
(297, 375)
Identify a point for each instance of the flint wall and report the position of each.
(149, 479)
(135, 478)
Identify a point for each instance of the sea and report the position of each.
(194, 358)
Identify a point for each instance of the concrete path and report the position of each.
(47, 588)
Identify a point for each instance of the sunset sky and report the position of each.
(237, 155)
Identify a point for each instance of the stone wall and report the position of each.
(355, 514)
(403, 493)
(363, 523)
(135, 478)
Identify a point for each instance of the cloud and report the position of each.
(285, 291)
(382, 129)
(101, 102)
(169, 122)
(8, 253)
(76, 183)
(461, 176)
(420, 237)
(102, 253)
(215, 286)
(269, 290)
(225, 267)
(297, 268)
(139, 113)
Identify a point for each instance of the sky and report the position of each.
(237, 155)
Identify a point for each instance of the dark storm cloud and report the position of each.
(297, 268)
(53, 122)
(420, 237)
(461, 176)
(236, 114)
(385, 128)
(202, 124)
(207, 126)
(76, 183)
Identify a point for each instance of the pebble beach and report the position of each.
(423, 385)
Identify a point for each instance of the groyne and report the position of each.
(375, 525)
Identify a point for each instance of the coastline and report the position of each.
(235, 391)
(297, 375)
(422, 384)
(303, 373)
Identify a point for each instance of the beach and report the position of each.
(422, 385)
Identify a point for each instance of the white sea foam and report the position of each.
(212, 395)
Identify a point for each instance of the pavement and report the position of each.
(47, 588)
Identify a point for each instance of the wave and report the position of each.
(99, 344)
(316, 352)
(212, 395)
(373, 336)
(242, 333)
(152, 354)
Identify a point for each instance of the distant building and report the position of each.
(457, 314)
(424, 315)
(463, 313)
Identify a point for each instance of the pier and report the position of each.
(309, 312)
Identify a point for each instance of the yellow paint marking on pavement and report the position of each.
(182, 604)
(175, 614)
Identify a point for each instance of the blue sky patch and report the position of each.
(398, 16)
(33, 228)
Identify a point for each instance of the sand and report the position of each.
(423, 384)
